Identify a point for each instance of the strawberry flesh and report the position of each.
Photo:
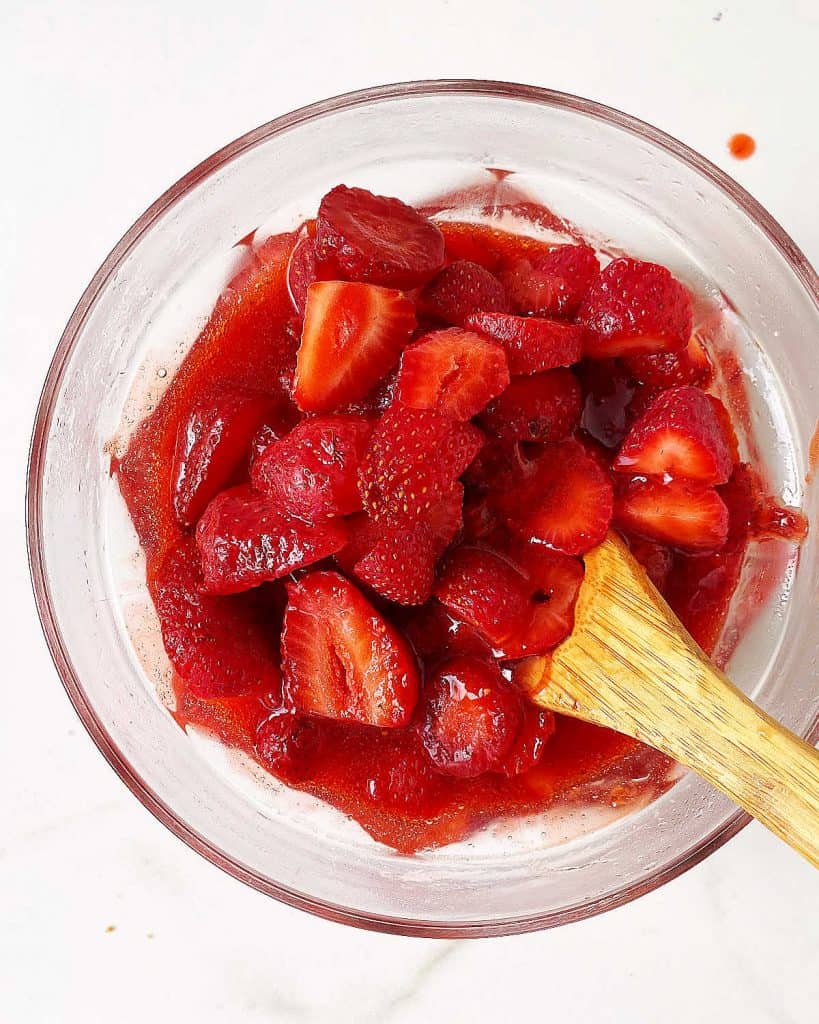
(288, 744)
(552, 284)
(461, 289)
(689, 365)
(301, 271)
(530, 744)
(553, 584)
(352, 336)
(341, 659)
(532, 344)
(682, 514)
(544, 407)
(454, 371)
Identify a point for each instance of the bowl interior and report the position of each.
(626, 186)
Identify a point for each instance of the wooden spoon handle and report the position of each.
(630, 665)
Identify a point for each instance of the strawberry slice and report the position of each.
(553, 284)
(301, 271)
(543, 407)
(220, 646)
(413, 458)
(532, 344)
(635, 308)
(341, 659)
(684, 515)
(312, 472)
(352, 335)
(470, 717)
(554, 581)
(404, 780)
(377, 239)
(565, 500)
(244, 540)
(212, 446)
(461, 289)
(434, 634)
(454, 371)
(680, 434)
(690, 365)
(529, 745)
(655, 558)
(288, 744)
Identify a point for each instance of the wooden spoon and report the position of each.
(629, 664)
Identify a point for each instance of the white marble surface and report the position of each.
(105, 915)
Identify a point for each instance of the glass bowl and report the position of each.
(626, 182)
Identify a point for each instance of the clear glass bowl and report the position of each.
(629, 184)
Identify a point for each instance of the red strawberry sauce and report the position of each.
(383, 778)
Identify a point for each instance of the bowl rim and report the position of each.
(798, 263)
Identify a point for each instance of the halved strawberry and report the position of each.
(690, 365)
(553, 284)
(680, 513)
(212, 445)
(460, 289)
(485, 589)
(655, 558)
(553, 584)
(288, 744)
(543, 407)
(352, 335)
(564, 501)
(635, 308)
(301, 271)
(471, 717)
(341, 659)
(244, 540)
(377, 238)
(680, 434)
(312, 472)
(532, 344)
(220, 646)
(435, 633)
(529, 746)
(454, 371)
(413, 458)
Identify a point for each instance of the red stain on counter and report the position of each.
(741, 146)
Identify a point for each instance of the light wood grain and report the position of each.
(629, 664)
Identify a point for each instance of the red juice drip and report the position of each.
(741, 146)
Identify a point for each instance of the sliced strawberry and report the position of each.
(288, 744)
(244, 540)
(486, 590)
(681, 514)
(679, 435)
(352, 335)
(405, 780)
(499, 464)
(480, 519)
(341, 659)
(689, 365)
(401, 564)
(532, 344)
(435, 633)
(635, 308)
(413, 459)
(564, 501)
(301, 271)
(454, 371)
(220, 646)
(727, 427)
(377, 239)
(543, 407)
(553, 284)
(212, 446)
(471, 717)
(312, 472)
(529, 746)
(655, 558)
(554, 581)
(461, 289)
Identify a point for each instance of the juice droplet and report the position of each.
(741, 146)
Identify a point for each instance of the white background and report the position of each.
(103, 106)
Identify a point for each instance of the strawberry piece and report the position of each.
(301, 271)
(454, 371)
(529, 745)
(405, 780)
(680, 434)
(655, 558)
(470, 717)
(341, 659)
(690, 365)
(635, 308)
(543, 407)
(727, 428)
(553, 284)
(434, 633)
(352, 335)
(243, 541)
(312, 472)
(377, 239)
(564, 501)
(486, 590)
(461, 289)
(480, 520)
(684, 515)
(413, 459)
(554, 582)
(288, 744)
(532, 344)
(221, 647)
(401, 564)
(212, 446)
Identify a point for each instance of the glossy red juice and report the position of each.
(251, 340)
